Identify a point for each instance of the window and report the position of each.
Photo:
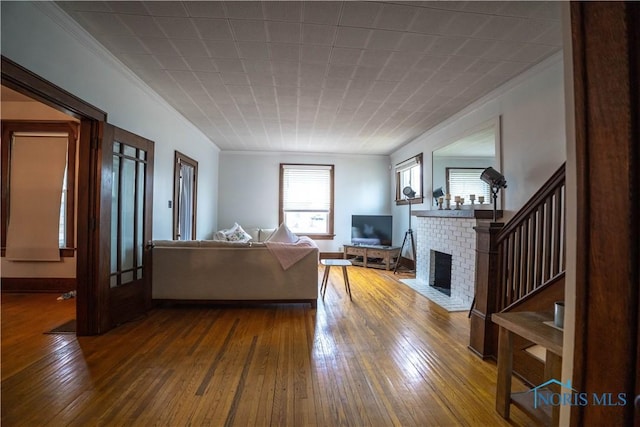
(465, 181)
(306, 199)
(409, 174)
(23, 149)
(185, 185)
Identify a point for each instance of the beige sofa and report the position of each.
(230, 272)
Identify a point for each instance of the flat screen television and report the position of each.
(371, 230)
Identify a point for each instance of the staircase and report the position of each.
(531, 259)
(524, 263)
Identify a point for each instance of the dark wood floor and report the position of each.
(390, 357)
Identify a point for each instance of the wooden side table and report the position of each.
(530, 326)
(344, 263)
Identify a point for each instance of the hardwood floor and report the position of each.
(390, 357)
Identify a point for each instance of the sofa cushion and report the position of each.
(265, 233)
(283, 235)
(237, 234)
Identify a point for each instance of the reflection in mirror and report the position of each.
(457, 166)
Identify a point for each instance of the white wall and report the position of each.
(41, 38)
(532, 113)
(249, 188)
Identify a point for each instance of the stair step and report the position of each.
(537, 351)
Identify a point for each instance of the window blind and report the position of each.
(306, 188)
(463, 182)
(38, 163)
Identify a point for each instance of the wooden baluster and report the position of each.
(548, 229)
(557, 232)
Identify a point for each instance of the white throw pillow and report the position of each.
(283, 235)
(237, 234)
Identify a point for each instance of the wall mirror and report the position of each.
(457, 165)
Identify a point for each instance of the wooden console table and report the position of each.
(387, 255)
(530, 326)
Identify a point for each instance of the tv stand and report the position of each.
(372, 256)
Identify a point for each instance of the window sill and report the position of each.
(64, 252)
(318, 236)
(417, 200)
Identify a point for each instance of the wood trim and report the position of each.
(606, 62)
(24, 81)
(37, 284)
(183, 158)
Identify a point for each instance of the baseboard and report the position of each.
(331, 255)
(38, 284)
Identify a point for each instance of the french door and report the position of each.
(126, 212)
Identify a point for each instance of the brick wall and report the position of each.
(453, 236)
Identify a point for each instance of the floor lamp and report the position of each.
(408, 235)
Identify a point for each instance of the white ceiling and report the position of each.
(316, 76)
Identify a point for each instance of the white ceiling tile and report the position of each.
(142, 25)
(446, 45)
(412, 42)
(205, 9)
(499, 27)
(345, 56)
(283, 10)
(213, 29)
(228, 65)
(318, 34)
(352, 37)
(285, 52)
(396, 17)
(181, 28)
(260, 80)
(370, 82)
(315, 54)
(189, 47)
(432, 21)
(360, 14)
(465, 24)
(249, 30)
(243, 9)
(159, 46)
(384, 40)
(285, 32)
(253, 50)
(321, 12)
(172, 62)
(222, 49)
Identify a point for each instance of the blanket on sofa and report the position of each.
(290, 253)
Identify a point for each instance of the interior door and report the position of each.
(127, 188)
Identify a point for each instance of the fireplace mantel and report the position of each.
(457, 213)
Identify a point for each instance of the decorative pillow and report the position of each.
(237, 234)
(283, 235)
(265, 233)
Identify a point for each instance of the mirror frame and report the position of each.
(496, 124)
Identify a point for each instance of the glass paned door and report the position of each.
(127, 194)
(127, 214)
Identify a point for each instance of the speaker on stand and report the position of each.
(410, 194)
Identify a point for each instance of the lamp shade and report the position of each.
(409, 192)
(494, 178)
(438, 193)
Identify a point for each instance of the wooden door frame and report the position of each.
(606, 62)
(89, 304)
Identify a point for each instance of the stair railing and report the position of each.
(531, 247)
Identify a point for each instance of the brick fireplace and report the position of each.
(452, 233)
